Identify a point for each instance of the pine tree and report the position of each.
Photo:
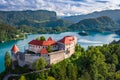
(8, 60)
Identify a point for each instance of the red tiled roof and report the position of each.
(15, 49)
(49, 39)
(67, 40)
(43, 43)
(43, 51)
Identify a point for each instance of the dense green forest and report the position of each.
(8, 32)
(42, 30)
(95, 63)
(38, 18)
(102, 23)
(16, 18)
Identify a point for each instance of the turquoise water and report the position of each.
(93, 39)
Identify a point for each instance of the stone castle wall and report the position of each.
(57, 56)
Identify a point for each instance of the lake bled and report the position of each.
(93, 39)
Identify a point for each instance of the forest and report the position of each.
(95, 63)
(8, 32)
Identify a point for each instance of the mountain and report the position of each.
(39, 18)
(50, 23)
(114, 14)
(17, 18)
(102, 23)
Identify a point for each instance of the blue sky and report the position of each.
(62, 7)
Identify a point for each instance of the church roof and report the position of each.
(43, 51)
(67, 40)
(49, 42)
(15, 49)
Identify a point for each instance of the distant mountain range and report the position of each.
(39, 18)
(102, 23)
(114, 14)
(43, 21)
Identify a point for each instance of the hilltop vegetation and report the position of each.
(102, 23)
(38, 18)
(8, 32)
(17, 18)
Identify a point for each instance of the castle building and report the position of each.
(61, 50)
(37, 45)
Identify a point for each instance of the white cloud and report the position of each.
(62, 7)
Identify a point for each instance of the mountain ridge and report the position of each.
(114, 14)
(103, 23)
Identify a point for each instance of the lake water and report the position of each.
(93, 39)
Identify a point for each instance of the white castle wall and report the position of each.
(37, 49)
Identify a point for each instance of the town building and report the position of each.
(61, 50)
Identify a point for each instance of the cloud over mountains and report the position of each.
(62, 7)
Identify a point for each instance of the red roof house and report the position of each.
(49, 42)
(43, 51)
(67, 40)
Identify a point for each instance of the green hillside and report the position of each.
(17, 18)
(39, 18)
(103, 23)
(8, 32)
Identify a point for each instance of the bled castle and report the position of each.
(61, 50)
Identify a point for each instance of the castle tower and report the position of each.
(15, 49)
(14, 52)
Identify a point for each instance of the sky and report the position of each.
(61, 7)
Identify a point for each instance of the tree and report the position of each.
(50, 78)
(8, 60)
(72, 71)
(114, 59)
(40, 64)
(117, 75)
(41, 38)
(22, 77)
(85, 76)
(49, 49)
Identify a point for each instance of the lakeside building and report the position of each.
(61, 50)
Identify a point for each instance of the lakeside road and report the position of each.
(6, 77)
